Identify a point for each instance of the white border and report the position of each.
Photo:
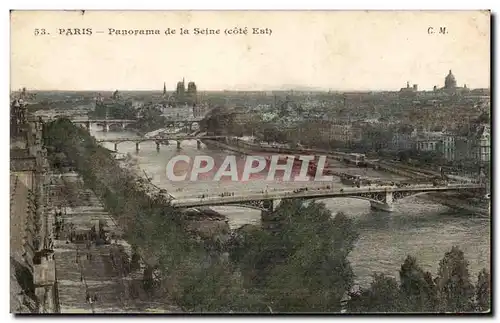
(200, 5)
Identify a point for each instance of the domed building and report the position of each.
(450, 82)
(450, 86)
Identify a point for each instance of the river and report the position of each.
(417, 227)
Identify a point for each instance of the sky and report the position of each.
(323, 50)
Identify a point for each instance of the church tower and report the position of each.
(180, 89)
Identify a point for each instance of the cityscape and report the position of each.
(314, 169)
(399, 141)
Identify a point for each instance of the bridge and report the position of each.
(159, 140)
(106, 124)
(380, 197)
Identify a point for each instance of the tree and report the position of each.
(216, 287)
(301, 264)
(218, 121)
(455, 290)
(417, 287)
(150, 118)
(313, 273)
(483, 291)
(383, 296)
(272, 134)
(376, 138)
(404, 155)
(251, 248)
(114, 110)
(450, 292)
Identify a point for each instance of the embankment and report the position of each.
(453, 202)
(159, 231)
(22, 239)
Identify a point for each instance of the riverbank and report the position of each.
(459, 204)
(417, 227)
(246, 148)
(95, 276)
(130, 164)
(22, 288)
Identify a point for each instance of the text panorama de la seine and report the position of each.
(152, 32)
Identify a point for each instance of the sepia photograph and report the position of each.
(270, 162)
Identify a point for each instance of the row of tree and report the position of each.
(451, 291)
(150, 223)
(114, 110)
(304, 267)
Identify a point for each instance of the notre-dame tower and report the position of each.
(186, 96)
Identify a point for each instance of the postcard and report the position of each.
(250, 162)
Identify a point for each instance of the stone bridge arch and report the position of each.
(383, 200)
(113, 126)
(261, 205)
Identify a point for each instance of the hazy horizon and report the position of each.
(316, 51)
(232, 90)
(298, 88)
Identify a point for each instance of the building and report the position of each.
(30, 243)
(180, 89)
(450, 86)
(448, 146)
(187, 96)
(328, 131)
(481, 144)
(200, 110)
(191, 90)
(450, 82)
(474, 143)
(429, 141)
(345, 133)
(441, 142)
(463, 148)
(409, 89)
(18, 115)
(470, 146)
(404, 138)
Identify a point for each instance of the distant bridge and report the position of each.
(159, 140)
(106, 124)
(380, 197)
